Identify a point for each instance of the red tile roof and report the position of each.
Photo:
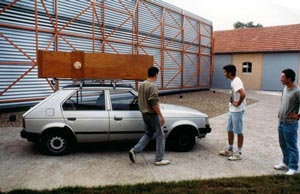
(267, 39)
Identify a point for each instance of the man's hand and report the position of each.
(235, 103)
(293, 115)
(162, 120)
(242, 97)
(161, 117)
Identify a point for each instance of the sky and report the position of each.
(224, 13)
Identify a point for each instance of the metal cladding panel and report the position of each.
(219, 80)
(70, 9)
(149, 19)
(157, 61)
(81, 10)
(27, 88)
(174, 37)
(118, 48)
(120, 35)
(21, 41)
(206, 41)
(149, 24)
(191, 35)
(190, 71)
(173, 30)
(273, 64)
(22, 15)
(76, 43)
(173, 20)
(206, 51)
(205, 29)
(172, 70)
(118, 21)
(18, 46)
(177, 9)
(205, 69)
(191, 28)
(206, 32)
(120, 15)
(191, 48)
(43, 42)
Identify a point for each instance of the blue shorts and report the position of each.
(235, 122)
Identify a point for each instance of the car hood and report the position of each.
(172, 110)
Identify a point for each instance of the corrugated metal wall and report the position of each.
(179, 41)
(273, 64)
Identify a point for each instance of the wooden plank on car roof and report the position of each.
(80, 65)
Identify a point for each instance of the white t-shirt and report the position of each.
(236, 85)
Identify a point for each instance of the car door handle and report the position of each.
(72, 118)
(118, 118)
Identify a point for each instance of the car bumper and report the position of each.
(33, 137)
(205, 130)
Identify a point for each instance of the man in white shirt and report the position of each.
(237, 107)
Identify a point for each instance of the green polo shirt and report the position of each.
(147, 96)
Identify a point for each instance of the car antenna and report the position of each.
(81, 84)
(114, 83)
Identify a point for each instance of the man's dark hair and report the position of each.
(230, 69)
(289, 73)
(152, 71)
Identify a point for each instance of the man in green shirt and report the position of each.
(152, 117)
(288, 123)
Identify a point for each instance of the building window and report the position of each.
(247, 67)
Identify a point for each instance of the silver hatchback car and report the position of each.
(101, 113)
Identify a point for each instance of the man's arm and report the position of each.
(157, 110)
(242, 97)
(295, 115)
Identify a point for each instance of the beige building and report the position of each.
(260, 54)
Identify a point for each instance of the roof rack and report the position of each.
(97, 83)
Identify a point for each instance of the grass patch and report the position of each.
(263, 184)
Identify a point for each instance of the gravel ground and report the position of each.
(210, 102)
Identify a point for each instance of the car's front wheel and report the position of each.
(57, 143)
(182, 140)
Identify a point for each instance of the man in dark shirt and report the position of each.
(152, 117)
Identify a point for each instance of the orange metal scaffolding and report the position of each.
(138, 44)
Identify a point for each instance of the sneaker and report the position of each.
(235, 156)
(162, 162)
(227, 153)
(132, 155)
(291, 172)
(281, 166)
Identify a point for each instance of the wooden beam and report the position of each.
(80, 65)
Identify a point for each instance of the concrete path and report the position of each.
(22, 166)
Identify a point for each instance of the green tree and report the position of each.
(239, 25)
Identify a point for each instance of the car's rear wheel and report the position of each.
(182, 140)
(57, 143)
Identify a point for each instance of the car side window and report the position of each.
(85, 100)
(123, 100)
